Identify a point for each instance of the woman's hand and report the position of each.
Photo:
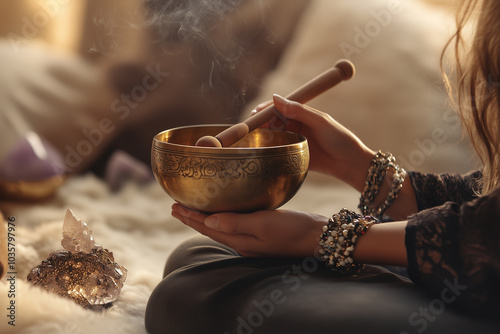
(262, 233)
(292, 234)
(334, 149)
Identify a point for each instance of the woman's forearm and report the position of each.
(383, 244)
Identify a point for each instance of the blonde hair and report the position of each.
(477, 92)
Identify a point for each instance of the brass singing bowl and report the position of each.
(264, 170)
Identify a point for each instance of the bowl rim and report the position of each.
(163, 144)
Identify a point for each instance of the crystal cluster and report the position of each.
(83, 271)
(123, 168)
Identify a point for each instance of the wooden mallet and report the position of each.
(342, 70)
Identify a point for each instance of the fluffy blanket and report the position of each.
(135, 224)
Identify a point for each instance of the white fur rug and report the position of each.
(135, 224)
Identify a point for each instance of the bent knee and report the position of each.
(196, 250)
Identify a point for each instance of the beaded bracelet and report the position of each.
(397, 183)
(380, 164)
(377, 170)
(338, 240)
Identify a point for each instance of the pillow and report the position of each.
(396, 102)
(61, 97)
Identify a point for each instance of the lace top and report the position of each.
(453, 242)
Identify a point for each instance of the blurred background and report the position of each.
(93, 77)
(67, 25)
(100, 51)
(74, 25)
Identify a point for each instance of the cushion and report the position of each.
(396, 102)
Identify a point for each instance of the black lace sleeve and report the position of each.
(436, 189)
(454, 252)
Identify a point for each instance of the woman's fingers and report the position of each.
(195, 220)
(234, 223)
(300, 112)
(229, 223)
(188, 213)
(276, 123)
(291, 110)
(261, 106)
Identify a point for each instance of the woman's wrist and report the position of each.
(387, 191)
(383, 244)
(406, 203)
(358, 169)
(350, 240)
(339, 238)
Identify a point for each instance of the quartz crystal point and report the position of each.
(83, 271)
(76, 235)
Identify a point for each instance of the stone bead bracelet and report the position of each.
(377, 171)
(338, 240)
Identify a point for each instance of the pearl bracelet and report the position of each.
(338, 240)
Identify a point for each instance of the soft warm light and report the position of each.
(59, 23)
(66, 30)
(67, 25)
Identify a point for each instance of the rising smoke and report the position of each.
(185, 20)
(212, 35)
(196, 21)
(212, 28)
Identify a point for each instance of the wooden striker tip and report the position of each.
(208, 141)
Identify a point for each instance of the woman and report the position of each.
(444, 229)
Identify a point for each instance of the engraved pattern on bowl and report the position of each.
(262, 171)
